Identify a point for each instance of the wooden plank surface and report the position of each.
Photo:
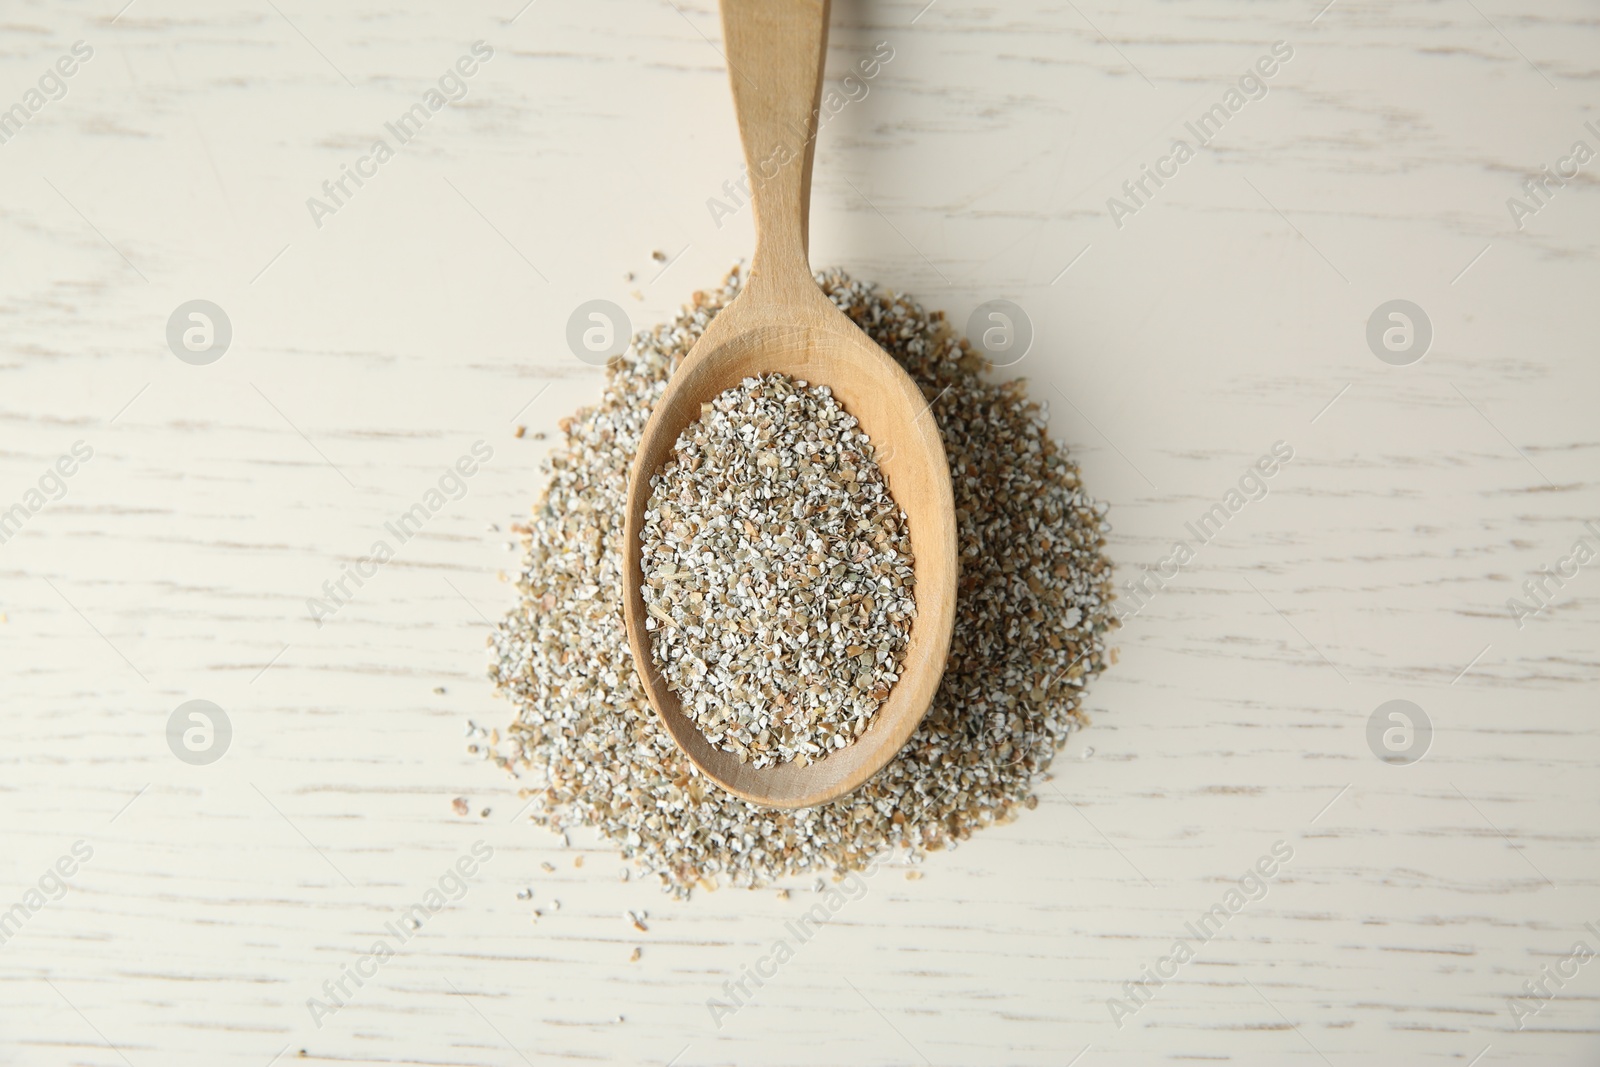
(374, 344)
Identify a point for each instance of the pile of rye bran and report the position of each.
(1033, 611)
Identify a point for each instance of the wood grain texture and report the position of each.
(428, 312)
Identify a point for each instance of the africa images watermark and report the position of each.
(739, 991)
(1250, 887)
(834, 100)
(1251, 86)
(452, 485)
(451, 89)
(50, 886)
(51, 486)
(450, 886)
(1252, 486)
(1537, 995)
(1554, 576)
(52, 86)
(1540, 188)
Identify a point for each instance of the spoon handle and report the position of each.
(776, 50)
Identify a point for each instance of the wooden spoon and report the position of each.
(782, 323)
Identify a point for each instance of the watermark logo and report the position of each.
(597, 330)
(199, 732)
(1540, 188)
(831, 100)
(1252, 85)
(737, 992)
(451, 485)
(51, 486)
(50, 886)
(1136, 594)
(52, 86)
(1249, 888)
(1399, 733)
(1399, 332)
(1000, 330)
(1537, 994)
(451, 885)
(199, 332)
(451, 89)
(1551, 577)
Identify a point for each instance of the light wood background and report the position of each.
(429, 312)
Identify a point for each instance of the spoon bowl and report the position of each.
(781, 322)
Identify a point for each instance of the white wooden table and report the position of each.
(1226, 313)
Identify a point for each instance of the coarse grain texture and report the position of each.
(778, 573)
(1034, 605)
